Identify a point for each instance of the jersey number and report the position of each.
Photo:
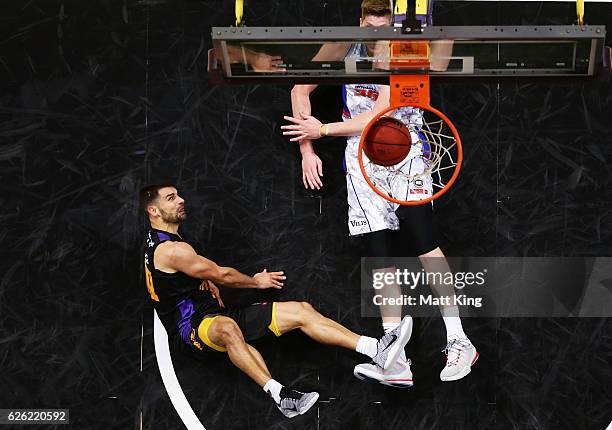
(150, 284)
(372, 94)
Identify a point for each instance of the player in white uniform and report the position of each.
(374, 218)
(369, 212)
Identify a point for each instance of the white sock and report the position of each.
(273, 388)
(367, 346)
(387, 327)
(454, 329)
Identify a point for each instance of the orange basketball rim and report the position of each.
(412, 90)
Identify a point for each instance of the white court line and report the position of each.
(166, 369)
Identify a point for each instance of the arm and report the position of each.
(334, 51)
(262, 62)
(259, 61)
(214, 291)
(312, 167)
(441, 51)
(311, 128)
(181, 257)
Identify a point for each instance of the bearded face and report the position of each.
(170, 206)
(173, 216)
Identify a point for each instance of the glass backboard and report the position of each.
(319, 54)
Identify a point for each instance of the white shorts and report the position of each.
(369, 212)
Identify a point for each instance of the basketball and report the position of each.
(387, 142)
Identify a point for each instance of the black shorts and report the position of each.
(255, 321)
(415, 237)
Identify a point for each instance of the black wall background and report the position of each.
(99, 97)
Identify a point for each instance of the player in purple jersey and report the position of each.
(182, 289)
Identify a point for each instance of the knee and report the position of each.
(304, 310)
(228, 331)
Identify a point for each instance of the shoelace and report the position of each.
(454, 346)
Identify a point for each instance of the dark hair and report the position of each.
(375, 7)
(149, 194)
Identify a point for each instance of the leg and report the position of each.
(257, 356)
(379, 245)
(391, 315)
(293, 315)
(224, 332)
(433, 262)
(461, 354)
(417, 230)
(374, 217)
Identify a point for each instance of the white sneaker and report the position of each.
(397, 375)
(293, 403)
(391, 345)
(460, 357)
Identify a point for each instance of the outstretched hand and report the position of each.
(312, 171)
(307, 128)
(261, 62)
(267, 279)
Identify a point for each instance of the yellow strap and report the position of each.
(580, 11)
(273, 326)
(203, 333)
(421, 7)
(401, 7)
(239, 12)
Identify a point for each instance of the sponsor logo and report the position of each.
(419, 191)
(192, 337)
(363, 92)
(418, 182)
(359, 223)
(393, 339)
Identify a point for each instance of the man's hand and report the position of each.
(312, 171)
(261, 62)
(307, 128)
(267, 279)
(214, 291)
